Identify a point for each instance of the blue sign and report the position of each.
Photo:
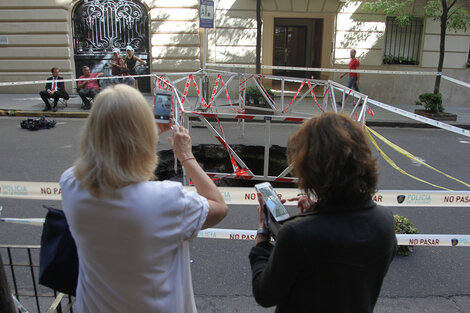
(206, 14)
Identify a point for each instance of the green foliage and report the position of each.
(390, 59)
(252, 92)
(468, 63)
(432, 102)
(457, 18)
(404, 226)
(401, 9)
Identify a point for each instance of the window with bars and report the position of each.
(402, 43)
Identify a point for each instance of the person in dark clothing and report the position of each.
(334, 255)
(131, 63)
(116, 65)
(55, 89)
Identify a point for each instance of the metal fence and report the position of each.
(229, 101)
(21, 264)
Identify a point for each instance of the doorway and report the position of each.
(98, 26)
(297, 43)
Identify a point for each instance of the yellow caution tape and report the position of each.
(412, 157)
(393, 164)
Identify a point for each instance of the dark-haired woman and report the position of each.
(333, 256)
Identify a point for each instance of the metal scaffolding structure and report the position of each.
(333, 97)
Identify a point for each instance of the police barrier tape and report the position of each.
(238, 66)
(330, 70)
(446, 240)
(73, 80)
(247, 195)
(455, 81)
(345, 70)
(420, 118)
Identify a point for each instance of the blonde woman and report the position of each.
(131, 232)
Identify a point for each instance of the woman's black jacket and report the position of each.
(327, 261)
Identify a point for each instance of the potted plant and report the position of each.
(404, 226)
(254, 97)
(251, 94)
(433, 107)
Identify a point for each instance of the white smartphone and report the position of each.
(273, 202)
(162, 106)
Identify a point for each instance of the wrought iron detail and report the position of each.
(101, 25)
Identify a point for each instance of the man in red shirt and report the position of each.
(88, 88)
(353, 77)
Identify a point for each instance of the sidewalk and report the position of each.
(31, 105)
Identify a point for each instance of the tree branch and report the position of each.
(451, 5)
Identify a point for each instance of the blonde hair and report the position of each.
(118, 144)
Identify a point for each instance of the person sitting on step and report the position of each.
(88, 88)
(55, 89)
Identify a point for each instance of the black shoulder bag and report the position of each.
(58, 259)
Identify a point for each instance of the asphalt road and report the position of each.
(434, 277)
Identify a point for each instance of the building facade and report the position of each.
(37, 35)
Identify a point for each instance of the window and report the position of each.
(402, 44)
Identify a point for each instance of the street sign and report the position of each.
(206, 14)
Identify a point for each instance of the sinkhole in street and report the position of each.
(215, 158)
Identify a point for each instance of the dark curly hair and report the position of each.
(332, 160)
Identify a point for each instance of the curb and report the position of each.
(46, 114)
(85, 114)
(410, 125)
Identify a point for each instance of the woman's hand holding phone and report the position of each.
(165, 127)
(303, 202)
(261, 219)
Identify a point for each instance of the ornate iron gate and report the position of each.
(101, 25)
